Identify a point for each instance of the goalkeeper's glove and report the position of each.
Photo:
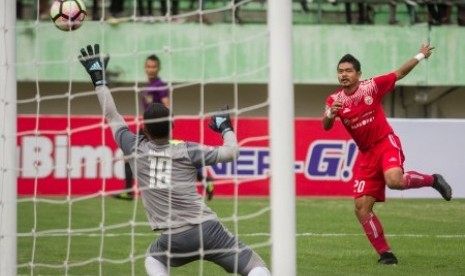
(94, 64)
(221, 122)
(209, 188)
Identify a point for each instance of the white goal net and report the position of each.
(61, 169)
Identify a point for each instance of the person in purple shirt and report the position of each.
(156, 91)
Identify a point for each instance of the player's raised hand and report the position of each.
(94, 64)
(220, 122)
(426, 49)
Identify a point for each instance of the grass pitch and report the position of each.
(428, 236)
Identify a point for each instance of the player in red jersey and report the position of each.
(358, 104)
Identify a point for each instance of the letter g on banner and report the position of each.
(326, 160)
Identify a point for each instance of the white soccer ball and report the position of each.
(68, 15)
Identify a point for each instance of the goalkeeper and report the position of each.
(167, 172)
(156, 91)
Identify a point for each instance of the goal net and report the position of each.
(63, 168)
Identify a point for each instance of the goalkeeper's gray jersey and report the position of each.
(166, 175)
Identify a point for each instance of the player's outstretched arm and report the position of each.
(95, 66)
(425, 52)
(221, 123)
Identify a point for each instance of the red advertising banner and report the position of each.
(58, 155)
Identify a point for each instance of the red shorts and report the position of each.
(369, 176)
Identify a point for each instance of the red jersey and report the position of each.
(362, 112)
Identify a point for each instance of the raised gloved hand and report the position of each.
(94, 64)
(220, 122)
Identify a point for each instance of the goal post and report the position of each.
(281, 124)
(7, 139)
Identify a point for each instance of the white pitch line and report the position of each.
(327, 235)
(459, 236)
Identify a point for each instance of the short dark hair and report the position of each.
(157, 119)
(352, 60)
(154, 58)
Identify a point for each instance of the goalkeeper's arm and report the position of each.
(221, 123)
(230, 150)
(95, 66)
(114, 119)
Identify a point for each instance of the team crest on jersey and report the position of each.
(368, 100)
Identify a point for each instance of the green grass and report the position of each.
(428, 237)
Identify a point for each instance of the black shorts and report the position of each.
(217, 243)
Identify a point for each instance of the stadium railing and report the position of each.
(304, 11)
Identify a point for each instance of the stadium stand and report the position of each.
(305, 11)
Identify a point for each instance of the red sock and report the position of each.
(413, 180)
(375, 234)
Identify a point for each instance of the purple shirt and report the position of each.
(154, 92)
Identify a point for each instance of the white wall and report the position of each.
(433, 146)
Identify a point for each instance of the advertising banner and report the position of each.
(58, 155)
(78, 156)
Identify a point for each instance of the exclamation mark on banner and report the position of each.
(349, 160)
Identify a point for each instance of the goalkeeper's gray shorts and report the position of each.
(219, 246)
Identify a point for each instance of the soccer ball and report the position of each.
(68, 15)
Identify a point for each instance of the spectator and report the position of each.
(116, 8)
(142, 10)
(410, 4)
(304, 5)
(439, 13)
(173, 6)
(364, 11)
(19, 9)
(96, 13)
(43, 11)
(461, 14)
